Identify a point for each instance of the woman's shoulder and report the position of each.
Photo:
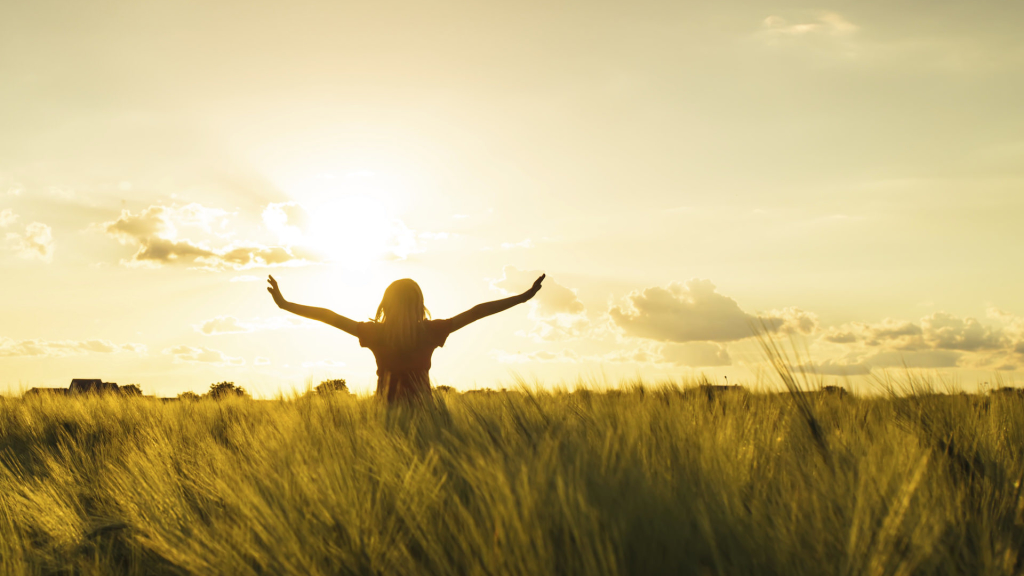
(439, 324)
(367, 333)
(438, 331)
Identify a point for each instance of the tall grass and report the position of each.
(650, 480)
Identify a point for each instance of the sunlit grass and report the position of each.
(654, 479)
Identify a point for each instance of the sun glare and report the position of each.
(349, 218)
(354, 231)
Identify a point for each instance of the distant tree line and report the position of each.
(222, 390)
(217, 391)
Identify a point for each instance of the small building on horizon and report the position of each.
(91, 386)
(45, 392)
(78, 386)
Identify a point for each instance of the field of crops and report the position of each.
(654, 479)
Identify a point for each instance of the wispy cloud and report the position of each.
(826, 24)
(556, 310)
(35, 243)
(696, 354)
(202, 355)
(833, 367)
(232, 325)
(7, 217)
(690, 354)
(527, 243)
(56, 348)
(288, 220)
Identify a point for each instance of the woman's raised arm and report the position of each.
(322, 314)
(487, 308)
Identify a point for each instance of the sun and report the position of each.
(346, 219)
(354, 231)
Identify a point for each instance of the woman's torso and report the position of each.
(403, 373)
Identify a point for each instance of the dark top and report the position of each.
(403, 374)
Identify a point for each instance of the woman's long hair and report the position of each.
(401, 314)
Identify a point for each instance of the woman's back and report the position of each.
(403, 373)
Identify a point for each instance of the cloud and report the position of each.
(939, 340)
(556, 310)
(557, 328)
(564, 356)
(947, 332)
(155, 231)
(835, 368)
(136, 348)
(7, 217)
(261, 361)
(937, 331)
(694, 311)
(191, 355)
(222, 325)
(684, 312)
(1012, 352)
(232, 325)
(827, 24)
(212, 220)
(640, 355)
(289, 220)
(692, 354)
(794, 320)
(696, 354)
(552, 299)
(839, 335)
(153, 221)
(58, 348)
(889, 333)
(35, 243)
(915, 359)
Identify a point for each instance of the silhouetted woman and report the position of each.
(401, 336)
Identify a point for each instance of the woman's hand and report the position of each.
(276, 292)
(487, 308)
(535, 288)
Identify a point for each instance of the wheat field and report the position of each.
(648, 479)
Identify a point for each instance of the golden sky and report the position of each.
(850, 173)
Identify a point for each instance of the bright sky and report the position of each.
(851, 173)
